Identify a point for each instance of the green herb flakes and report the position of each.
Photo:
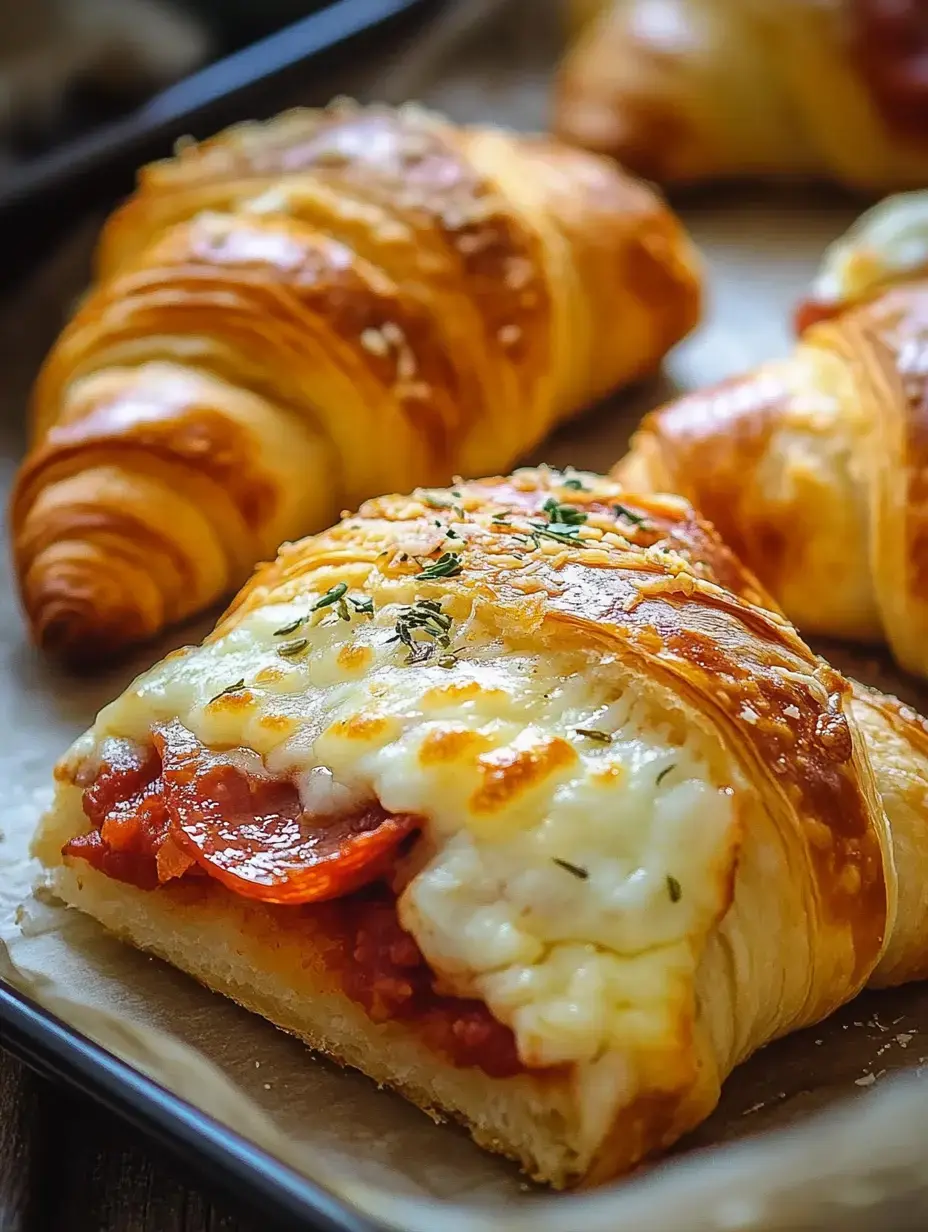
(290, 650)
(448, 565)
(574, 869)
(636, 519)
(593, 733)
(673, 889)
(291, 627)
(331, 596)
(231, 688)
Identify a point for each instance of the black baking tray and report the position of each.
(274, 1193)
(48, 196)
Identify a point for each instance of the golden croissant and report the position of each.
(694, 90)
(297, 315)
(814, 469)
(522, 798)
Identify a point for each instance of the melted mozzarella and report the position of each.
(889, 240)
(564, 879)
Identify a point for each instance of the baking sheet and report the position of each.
(371, 1147)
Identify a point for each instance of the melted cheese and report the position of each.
(564, 879)
(888, 241)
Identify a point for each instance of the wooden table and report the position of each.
(69, 1166)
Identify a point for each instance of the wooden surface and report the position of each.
(68, 1166)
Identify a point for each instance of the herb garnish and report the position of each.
(231, 688)
(593, 733)
(559, 533)
(663, 774)
(331, 596)
(291, 627)
(364, 607)
(567, 515)
(636, 519)
(575, 485)
(290, 649)
(447, 565)
(574, 869)
(334, 595)
(425, 615)
(674, 889)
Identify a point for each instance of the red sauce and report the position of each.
(136, 839)
(810, 312)
(890, 44)
(382, 969)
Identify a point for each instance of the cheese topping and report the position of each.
(888, 241)
(575, 834)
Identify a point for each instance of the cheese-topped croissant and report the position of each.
(693, 90)
(513, 796)
(296, 315)
(886, 245)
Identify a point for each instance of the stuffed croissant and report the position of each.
(814, 467)
(686, 91)
(297, 315)
(513, 796)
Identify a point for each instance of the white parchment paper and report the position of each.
(861, 1164)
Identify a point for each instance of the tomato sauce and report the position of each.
(132, 805)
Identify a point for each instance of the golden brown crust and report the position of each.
(815, 470)
(692, 90)
(293, 316)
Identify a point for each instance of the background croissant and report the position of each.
(690, 90)
(815, 469)
(296, 315)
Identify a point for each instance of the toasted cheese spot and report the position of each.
(279, 724)
(508, 772)
(233, 703)
(359, 727)
(608, 776)
(451, 744)
(270, 675)
(352, 658)
(459, 691)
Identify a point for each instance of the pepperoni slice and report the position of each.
(250, 832)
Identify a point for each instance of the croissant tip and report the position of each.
(69, 622)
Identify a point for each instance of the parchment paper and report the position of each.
(861, 1164)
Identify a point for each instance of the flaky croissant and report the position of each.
(516, 798)
(297, 315)
(692, 90)
(814, 469)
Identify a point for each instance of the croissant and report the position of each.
(297, 315)
(813, 469)
(685, 91)
(521, 797)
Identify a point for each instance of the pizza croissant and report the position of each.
(297, 315)
(686, 91)
(887, 244)
(516, 797)
(814, 467)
